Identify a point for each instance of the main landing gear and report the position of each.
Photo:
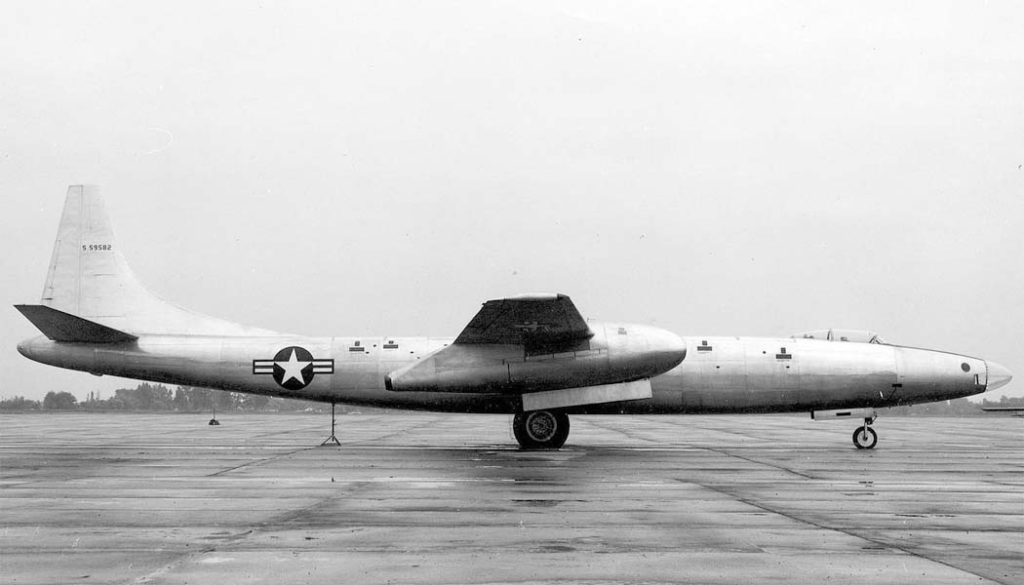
(541, 429)
(865, 437)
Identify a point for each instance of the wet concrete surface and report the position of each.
(431, 498)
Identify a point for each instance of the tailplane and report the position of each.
(90, 280)
(61, 326)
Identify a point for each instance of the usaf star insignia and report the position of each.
(293, 367)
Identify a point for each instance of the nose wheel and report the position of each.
(865, 437)
(541, 429)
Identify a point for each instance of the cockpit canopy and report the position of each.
(851, 335)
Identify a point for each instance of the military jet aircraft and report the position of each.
(533, 356)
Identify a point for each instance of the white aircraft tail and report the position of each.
(90, 279)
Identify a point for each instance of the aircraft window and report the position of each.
(965, 367)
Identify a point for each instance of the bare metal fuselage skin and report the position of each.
(718, 374)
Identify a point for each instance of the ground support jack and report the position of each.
(332, 440)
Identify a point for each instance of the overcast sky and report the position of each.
(384, 168)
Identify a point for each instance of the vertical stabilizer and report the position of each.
(88, 275)
(90, 278)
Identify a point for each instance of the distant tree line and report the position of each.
(148, 397)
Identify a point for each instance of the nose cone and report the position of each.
(998, 376)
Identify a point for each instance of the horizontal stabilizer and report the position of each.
(61, 326)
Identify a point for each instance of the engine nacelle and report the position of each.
(613, 354)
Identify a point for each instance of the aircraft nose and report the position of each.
(998, 376)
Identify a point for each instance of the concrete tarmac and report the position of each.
(430, 498)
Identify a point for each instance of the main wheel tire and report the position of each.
(541, 429)
(865, 437)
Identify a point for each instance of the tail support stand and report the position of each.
(332, 440)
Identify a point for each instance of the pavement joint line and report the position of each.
(756, 462)
(266, 525)
(719, 451)
(292, 430)
(168, 567)
(404, 430)
(282, 454)
(875, 541)
(820, 429)
(621, 432)
(257, 462)
(265, 460)
(707, 429)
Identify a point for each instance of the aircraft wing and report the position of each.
(540, 348)
(538, 322)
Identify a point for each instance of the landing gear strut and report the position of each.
(865, 437)
(332, 440)
(541, 429)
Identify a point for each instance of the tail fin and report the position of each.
(88, 275)
(89, 278)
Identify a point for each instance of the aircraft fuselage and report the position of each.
(718, 374)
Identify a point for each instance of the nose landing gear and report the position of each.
(865, 437)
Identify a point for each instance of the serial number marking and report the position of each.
(96, 247)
